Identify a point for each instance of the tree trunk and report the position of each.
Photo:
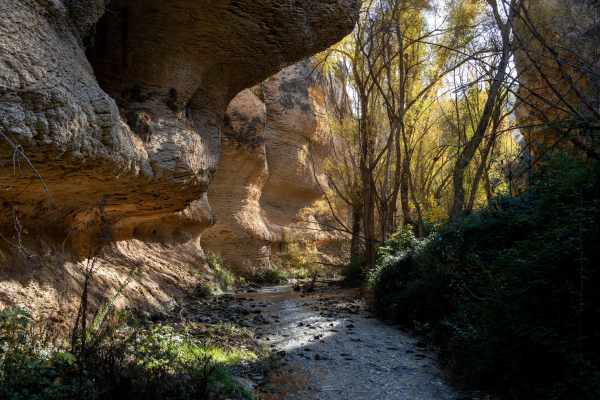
(464, 158)
(480, 171)
(355, 242)
(368, 198)
(406, 217)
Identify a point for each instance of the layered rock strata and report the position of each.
(162, 57)
(271, 169)
(71, 73)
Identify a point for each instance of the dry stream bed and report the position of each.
(330, 347)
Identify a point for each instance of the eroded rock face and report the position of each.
(297, 145)
(240, 235)
(179, 61)
(273, 150)
(69, 77)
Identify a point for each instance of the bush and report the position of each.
(302, 253)
(225, 278)
(203, 290)
(299, 273)
(273, 274)
(213, 259)
(353, 273)
(511, 292)
(118, 361)
(134, 117)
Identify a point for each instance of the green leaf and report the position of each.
(68, 357)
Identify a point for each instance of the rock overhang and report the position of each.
(70, 77)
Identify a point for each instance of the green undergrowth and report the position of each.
(353, 273)
(277, 275)
(512, 292)
(274, 274)
(299, 273)
(120, 359)
(225, 278)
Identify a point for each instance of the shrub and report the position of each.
(134, 117)
(302, 253)
(353, 273)
(511, 292)
(118, 361)
(273, 274)
(148, 127)
(141, 123)
(203, 290)
(299, 273)
(225, 278)
(213, 259)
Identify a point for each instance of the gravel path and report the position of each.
(335, 350)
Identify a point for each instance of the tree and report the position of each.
(497, 74)
(558, 76)
(393, 65)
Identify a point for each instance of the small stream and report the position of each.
(335, 350)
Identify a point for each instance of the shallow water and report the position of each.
(348, 355)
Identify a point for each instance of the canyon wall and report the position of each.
(71, 74)
(271, 169)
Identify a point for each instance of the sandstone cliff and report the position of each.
(71, 73)
(271, 169)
